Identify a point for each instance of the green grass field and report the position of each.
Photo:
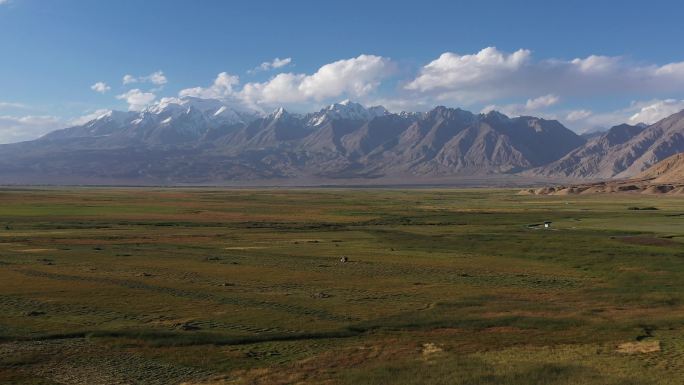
(212, 286)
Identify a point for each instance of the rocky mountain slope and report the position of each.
(669, 170)
(623, 151)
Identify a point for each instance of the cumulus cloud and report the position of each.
(589, 121)
(21, 128)
(128, 79)
(575, 115)
(397, 105)
(453, 72)
(137, 99)
(586, 120)
(531, 107)
(649, 112)
(157, 78)
(100, 87)
(656, 110)
(595, 64)
(221, 88)
(541, 102)
(270, 65)
(78, 121)
(355, 77)
(492, 74)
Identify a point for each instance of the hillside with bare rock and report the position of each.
(622, 152)
(664, 177)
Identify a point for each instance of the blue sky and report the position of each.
(586, 63)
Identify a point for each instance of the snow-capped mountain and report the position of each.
(171, 121)
(192, 140)
(346, 110)
(214, 111)
(104, 125)
(174, 121)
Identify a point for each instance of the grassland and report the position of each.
(168, 286)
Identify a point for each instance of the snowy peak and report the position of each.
(113, 116)
(106, 124)
(170, 121)
(212, 110)
(278, 113)
(166, 105)
(347, 110)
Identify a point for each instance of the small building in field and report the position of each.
(547, 224)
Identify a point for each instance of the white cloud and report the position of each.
(575, 115)
(585, 120)
(649, 112)
(541, 102)
(676, 69)
(87, 117)
(595, 121)
(222, 88)
(100, 87)
(12, 105)
(656, 110)
(277, 62)
(21, 128)
(491, 74)
(283, 88)
(269, 65)
(531, 107)
(355, 77)
(452, 71)
(2, 2)
(137, 99)
(596, 64)
(397, 105)
(157, 78)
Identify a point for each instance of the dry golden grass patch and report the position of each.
(639, 347)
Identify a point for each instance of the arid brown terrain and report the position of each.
(664, 177)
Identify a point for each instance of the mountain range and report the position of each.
(204, 141)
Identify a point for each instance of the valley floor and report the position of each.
(441, 286)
